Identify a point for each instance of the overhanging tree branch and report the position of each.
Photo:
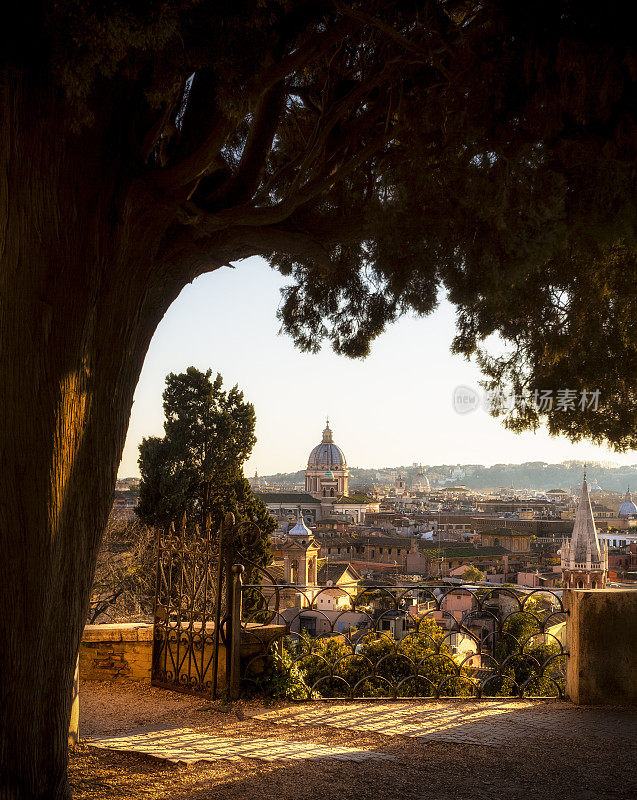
(245, 181)
(202, 133)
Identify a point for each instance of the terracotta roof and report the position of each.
(355, 499)
(334, 571)
(504, 532)
(276, 571)
(300, 498)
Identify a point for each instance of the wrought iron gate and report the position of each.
(190, 610)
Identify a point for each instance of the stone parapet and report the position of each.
(125, 650)
(120, 650)
(602, 643)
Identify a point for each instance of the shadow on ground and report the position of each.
(512, 751)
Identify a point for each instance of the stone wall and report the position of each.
(125, 650)
(115, 651)
(602, 642)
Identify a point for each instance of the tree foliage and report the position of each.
(378, 154)
(525, 653)
(472, 574)
(124, 584)
(376, 667)
(196, 467)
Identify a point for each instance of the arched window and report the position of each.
(332, 492)
(580, 584)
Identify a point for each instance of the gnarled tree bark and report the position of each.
(81, 293)
(96, 240)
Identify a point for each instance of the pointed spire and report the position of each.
(584, 546)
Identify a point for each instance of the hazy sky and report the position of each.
(393, 408)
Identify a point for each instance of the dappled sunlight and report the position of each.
(490, 723)
(189, 745)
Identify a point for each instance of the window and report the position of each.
(308, 624)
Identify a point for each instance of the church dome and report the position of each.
(300, 529)
(627, 508)
(327, 455)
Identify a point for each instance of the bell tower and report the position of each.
(584, 561)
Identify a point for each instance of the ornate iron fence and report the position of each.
(417, 640)
(343, 641)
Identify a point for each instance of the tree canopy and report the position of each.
(472, 574)
(381, 153)
(196, 468)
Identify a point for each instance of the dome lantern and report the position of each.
(327, 433)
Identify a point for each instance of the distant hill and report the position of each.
(535, 475)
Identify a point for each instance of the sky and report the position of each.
(393, 408)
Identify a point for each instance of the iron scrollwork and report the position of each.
(417, 640)
(188, 609)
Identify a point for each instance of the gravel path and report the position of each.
(552, 757)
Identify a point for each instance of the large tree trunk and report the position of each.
(79, 301)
